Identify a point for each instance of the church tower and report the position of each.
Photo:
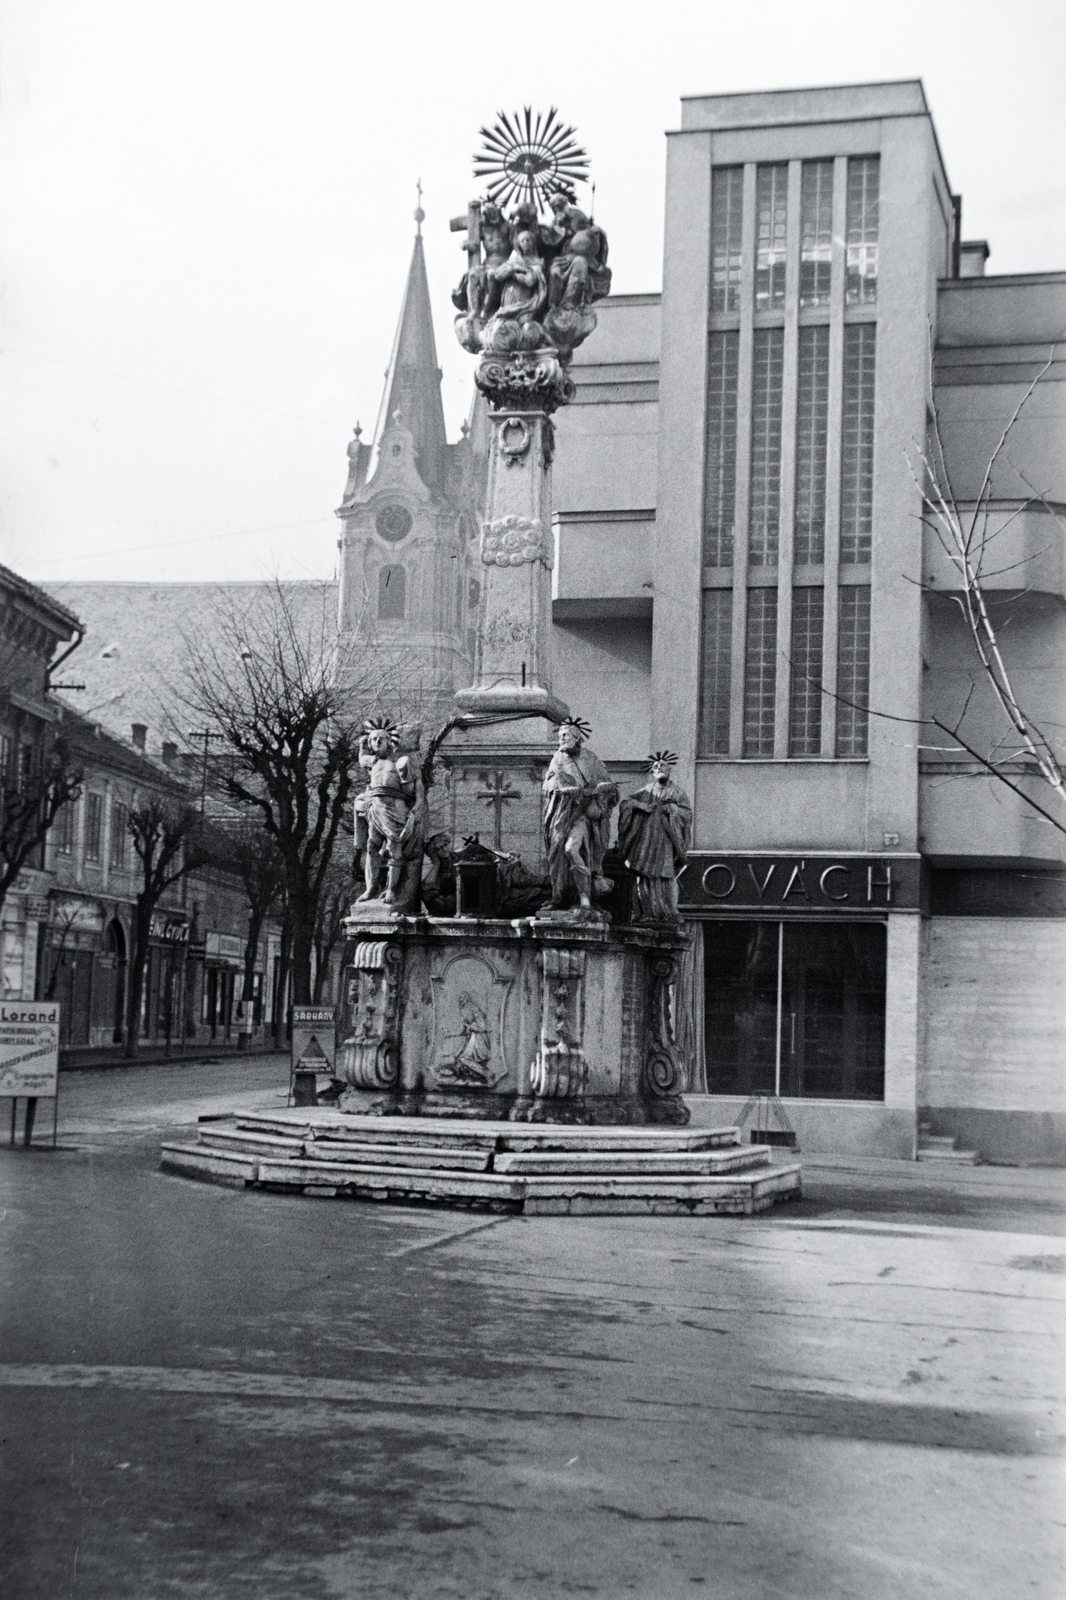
(408, 590)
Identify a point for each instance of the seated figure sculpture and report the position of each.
(390, 817)
(654, 835)
(579, 795)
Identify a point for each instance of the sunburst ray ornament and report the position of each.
(527, 157)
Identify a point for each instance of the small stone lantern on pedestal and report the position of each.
(476, 881)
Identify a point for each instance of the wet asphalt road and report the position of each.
(213, 1393)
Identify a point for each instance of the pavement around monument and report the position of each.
(210, 1392)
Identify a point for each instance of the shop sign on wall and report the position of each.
(29, 1047)
(780, 883)
(73, 914)
(166, 928)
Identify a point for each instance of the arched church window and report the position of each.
(393, 523)
(392, 594)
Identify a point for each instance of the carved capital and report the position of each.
(514, 541)
(534, 379)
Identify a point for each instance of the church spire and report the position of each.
(412, 383)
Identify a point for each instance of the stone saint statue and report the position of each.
(523, 295)
(654, 835)
(390, 816)
(579, 795)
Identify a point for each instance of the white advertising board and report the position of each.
(29, 1047)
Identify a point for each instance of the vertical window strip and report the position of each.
(816, 232)
(853, 670)
(93, 826)
(760, 672)
(715, 672)
(119, 833)
(857, 444)
(727, 208)
(721, 449)
(765, 505)
(805, 697)
(864, 180)
(771, 219)
(812, 436)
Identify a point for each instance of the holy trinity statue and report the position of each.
(579, 795)
(654, 836)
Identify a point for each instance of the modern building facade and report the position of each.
(743, 571)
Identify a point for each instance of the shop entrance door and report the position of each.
(795, 1008)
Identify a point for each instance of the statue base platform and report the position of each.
(563, 1019)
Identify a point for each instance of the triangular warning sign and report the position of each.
(313, 1053)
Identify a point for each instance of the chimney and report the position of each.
(170, 752)
(139, 733)
(973, 253)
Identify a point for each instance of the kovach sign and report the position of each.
(801, 883)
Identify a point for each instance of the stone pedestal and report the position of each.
(536, 1020)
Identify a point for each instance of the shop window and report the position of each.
(796, 1009)
(727, 206)
(721, 449)
(94, 822)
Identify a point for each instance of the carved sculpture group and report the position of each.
(530, 285)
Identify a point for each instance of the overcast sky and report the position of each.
(208, 209)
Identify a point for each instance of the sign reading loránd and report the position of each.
(29, 1048)
(801, 883)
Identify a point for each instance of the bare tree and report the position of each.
(168, 838)
(290, 739)
(31, 798)
(253, 856)
(333, 907)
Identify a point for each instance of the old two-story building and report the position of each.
(745, 574)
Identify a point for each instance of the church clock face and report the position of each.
(393, 523)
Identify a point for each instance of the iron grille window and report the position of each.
(721, 450)
(392, 586)
(760, 672)
(805, 699)
(63, 830)
(767, 377)
(771, 218)
(857, 443)
(727, 207)
(715, 672)
(816, 232)
(812, 432)
(94, 815)
(119, 833)
(853, 670)
(864, 181)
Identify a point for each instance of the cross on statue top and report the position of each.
(497, 796)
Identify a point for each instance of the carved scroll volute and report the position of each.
(560, 1071)
(370, 1055)
(663, 1067)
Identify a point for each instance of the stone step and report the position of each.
(449, 1133)
(397, 1155)
(965, 1158)
(240, 1139)
(392, 1182)
(937, 1141)
(740, 1195)
(622, 1163)
(215, 1166)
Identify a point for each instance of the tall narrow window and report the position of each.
(63, 829)
(715, 674)
(805, 697)
(771, 208)
(765, 514)
(816, 232)
(727, 205)
(857, 444)
(721, 450)
(119, 833)
(864, 177)
(392, 585)
(853, 670)
(760, 672)
(94, 816)
(812, 432)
